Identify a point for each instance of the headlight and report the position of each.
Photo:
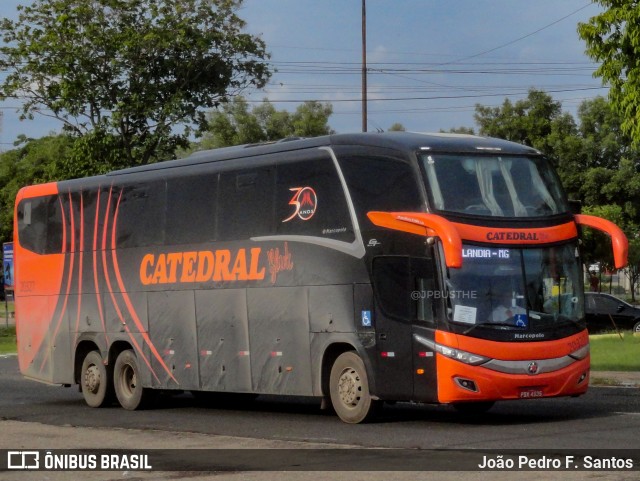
(462, 356)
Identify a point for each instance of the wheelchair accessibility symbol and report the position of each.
(521, 320)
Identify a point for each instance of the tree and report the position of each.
(33, 162)
(237, 125)
(528, 121)
(234, 125)
(613, 40)
(461, 130)
(604, 142)
(597, 246)
(397, 127)
(123, 75)
(310, 119)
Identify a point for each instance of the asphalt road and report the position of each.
(605, 418)
(37, 416)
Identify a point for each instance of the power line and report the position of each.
(520, 38)
(451, 108)
(437, 97)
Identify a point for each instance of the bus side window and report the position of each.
(54, 225)
(310, 200)
(245, 207)
(381, 183)
(425, 288)
(141, 214)
(392, 286)
(191, 212)
(404, 287)
(40, 225)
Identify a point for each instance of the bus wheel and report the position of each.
(95, 381)
(473, 407)
(128, 385)
(349, 389)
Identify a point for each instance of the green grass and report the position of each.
(7, 339)
(610, 353)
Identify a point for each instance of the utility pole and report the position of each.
(364, 66)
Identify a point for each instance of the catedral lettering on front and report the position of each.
(356, 269)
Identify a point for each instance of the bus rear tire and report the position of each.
(128, 383)
(95, 381)
(349, 389)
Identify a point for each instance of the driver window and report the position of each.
(404, 287)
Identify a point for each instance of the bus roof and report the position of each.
(401, 141)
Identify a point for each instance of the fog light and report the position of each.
(467, 384)
(582, 378)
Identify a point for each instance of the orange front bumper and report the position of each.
(493, 385)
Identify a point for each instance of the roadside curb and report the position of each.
(615, 379)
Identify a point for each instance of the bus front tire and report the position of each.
(349, 389)
(95, 381)
(128, 383)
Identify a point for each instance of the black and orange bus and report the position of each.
(356, 268)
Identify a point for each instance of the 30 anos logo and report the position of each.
(304, 201)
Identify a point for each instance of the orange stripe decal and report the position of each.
(80, 268)
(127, 300)
(63, 311)
(95, 267)
(110, 289)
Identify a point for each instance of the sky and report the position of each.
(429, 61)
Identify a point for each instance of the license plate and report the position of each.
(530, 393)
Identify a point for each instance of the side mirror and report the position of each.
(620, 308)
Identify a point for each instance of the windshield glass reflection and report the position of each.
(497, 186)
(516, 288)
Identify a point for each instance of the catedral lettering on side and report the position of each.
(201, 266)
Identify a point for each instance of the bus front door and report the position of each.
(392, 321)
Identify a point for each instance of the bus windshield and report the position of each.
(507, 288)
(497, 186)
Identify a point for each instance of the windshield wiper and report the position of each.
(552, 318)
(485, 324)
